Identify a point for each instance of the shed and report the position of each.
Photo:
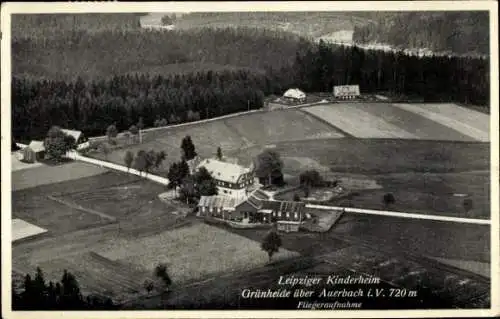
(29, 156)
(35, 147)
(295, 94)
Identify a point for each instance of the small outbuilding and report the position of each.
(35, 151)
(295, 95)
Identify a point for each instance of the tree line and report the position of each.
(457, 32)
(99, 55)
(91, 105)
(433, 79)
(37, 294)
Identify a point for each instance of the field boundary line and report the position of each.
(87, 210)
(155, 178)
(322, 120)
(404, 215)
(213, 119)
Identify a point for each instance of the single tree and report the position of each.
(13, 146)
(111, 132)
(188, 149)
(468, 205)
(148, 285)
(271, 243)
(310, 178)
(183, 169)
(129, 159)
(160, 157)
(161, 272)
(188, 189)
(57, 143)
(174, 176)
(105, 150)
(296, 197)
(71, 295)
(219, 153)
(140, 127)
(388, 199)
(150, 160)
(140, 161)
(268, 167)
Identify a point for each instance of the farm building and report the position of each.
(231, 179)
(295, 95)
(35, 151)
(256, 209)
(81, 141)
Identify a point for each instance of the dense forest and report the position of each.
(457, 32)
(55, 25)
(92, 105)
(100, 55)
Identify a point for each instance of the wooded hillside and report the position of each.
(103, 54)
(457, 32)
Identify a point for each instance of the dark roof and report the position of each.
(256, 201)
(284, 206)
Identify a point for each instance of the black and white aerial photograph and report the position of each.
(289, 159)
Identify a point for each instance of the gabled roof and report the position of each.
(75, 134)
(37, 146)
(218, 201)
(223, 171)
(294, 93)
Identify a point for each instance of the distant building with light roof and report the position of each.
(231, 179)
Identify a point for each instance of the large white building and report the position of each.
(232, 179)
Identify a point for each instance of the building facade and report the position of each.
(82, 142)
(231, 179)
(256, 209)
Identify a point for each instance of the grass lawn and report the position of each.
(472, 123)
(230, 135)
(280, 125)
(409, 121)
(191, 252)
(35, 206)
(43, 175)
(383, 156)
(351, 119)
(429, 193)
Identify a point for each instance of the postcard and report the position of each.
(250, 159)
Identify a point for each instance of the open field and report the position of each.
(22, 229)
(230, 134)
(350, 118)
(282, 125)
(469, 122)
(191, 252)
(424, 176)
(381, 156)
(429, 193)
(369, 245)
(43, 175)
(408, 121)
(17, 164)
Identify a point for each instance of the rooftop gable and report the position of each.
(76, 134)
(37, 146)
(223, 171)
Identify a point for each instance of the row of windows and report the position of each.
(231, 185)
(287, 214)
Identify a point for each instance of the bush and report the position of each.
(388, 199)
